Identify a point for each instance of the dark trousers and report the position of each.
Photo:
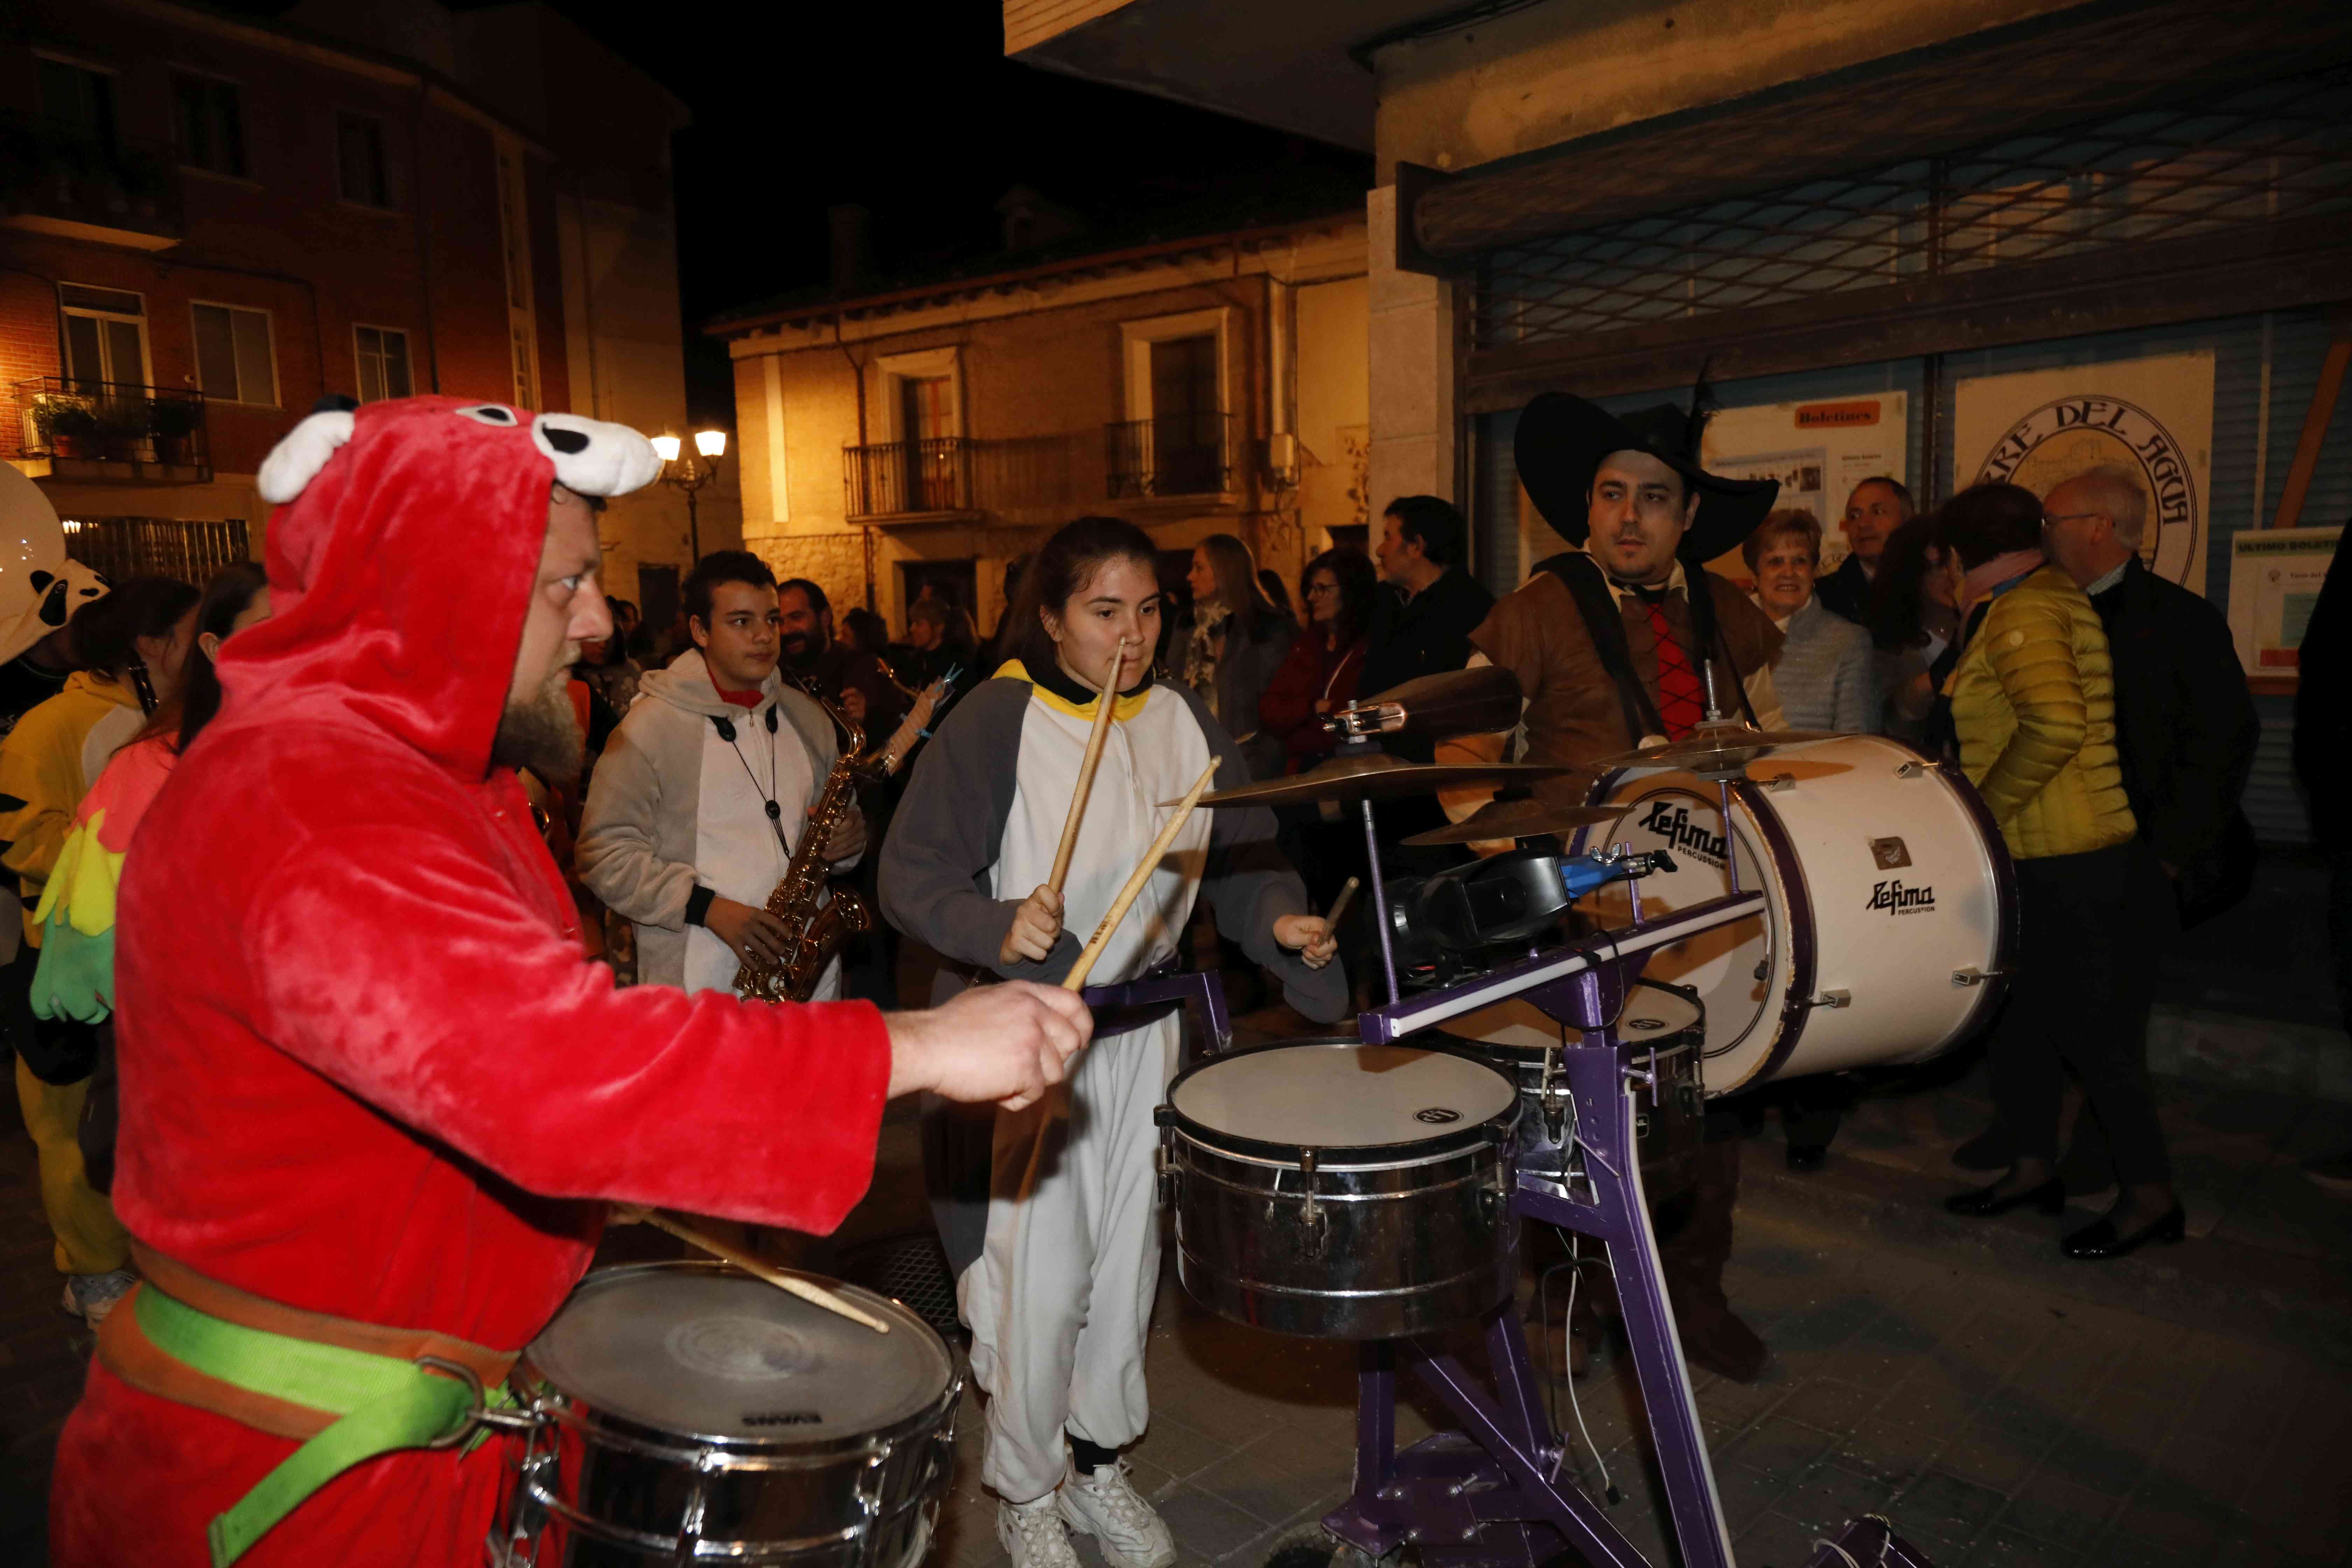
(2091, 929)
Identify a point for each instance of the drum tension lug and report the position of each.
(1833, 999)
(1910, 770)
(1972, 976)
(1312, 1215)
(1778, 782)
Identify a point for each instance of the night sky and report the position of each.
(915, 113)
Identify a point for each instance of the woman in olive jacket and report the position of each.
(2033, 703)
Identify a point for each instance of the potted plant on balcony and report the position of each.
(124, 425)
(67, 426)
(175, 420)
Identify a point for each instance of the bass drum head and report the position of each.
(696, 1351)
(1742, 972)
(1340, 1095)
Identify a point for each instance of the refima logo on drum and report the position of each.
(1897, 900)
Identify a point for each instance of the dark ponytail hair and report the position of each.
(105, 632)
(228, 595)
(1067, 562)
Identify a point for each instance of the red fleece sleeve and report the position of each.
(401, 966)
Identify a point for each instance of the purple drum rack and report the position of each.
(1490, 1495)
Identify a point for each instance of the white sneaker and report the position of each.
(1031, 1533)
(91, 1296)
(1106, 1504)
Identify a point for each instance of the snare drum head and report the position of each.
(1520, 1028)
(1341, 1096)
(696, 1351)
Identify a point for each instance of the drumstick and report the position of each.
(1339, 905)
(816, 1294)
(1076, 979)
(1105, 699)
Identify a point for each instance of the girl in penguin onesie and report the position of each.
(1060, 1296)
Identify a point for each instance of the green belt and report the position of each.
(384, 1404)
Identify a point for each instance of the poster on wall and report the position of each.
(2151, 417)
(1817, 450)
(2275, 578)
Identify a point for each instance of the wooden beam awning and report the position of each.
(2087, 62)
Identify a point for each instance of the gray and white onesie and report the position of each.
(1060, 1297)
(678, 813)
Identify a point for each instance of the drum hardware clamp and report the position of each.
(1974, 976)
(1778, 782)
(1835, 999)
(1911, 769)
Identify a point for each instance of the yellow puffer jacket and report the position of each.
(2033, 699)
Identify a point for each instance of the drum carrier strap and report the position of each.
(346, 1390)
(1581, 576)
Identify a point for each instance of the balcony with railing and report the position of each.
(112, 431)
(929, 478)
(61, 178)
(1173, 455)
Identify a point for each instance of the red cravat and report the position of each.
(1682, 701)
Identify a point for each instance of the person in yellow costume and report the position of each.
(131, 646)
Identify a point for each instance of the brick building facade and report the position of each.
(208, 223)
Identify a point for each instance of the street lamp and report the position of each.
(687, 475)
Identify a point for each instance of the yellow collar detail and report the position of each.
(1125, 709)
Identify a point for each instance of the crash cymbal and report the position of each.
(1375, 775)
(1518, 819)
(1480, 701)
(1714, 748)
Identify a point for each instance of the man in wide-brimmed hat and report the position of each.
(1606, 638)
(1607, 642)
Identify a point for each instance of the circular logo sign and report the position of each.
(2064, 438)
(1437, 1115)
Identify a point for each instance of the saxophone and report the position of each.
(819, 928)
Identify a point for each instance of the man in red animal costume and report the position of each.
(373, 1098)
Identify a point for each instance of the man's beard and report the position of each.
(543, 733)
(801, 649)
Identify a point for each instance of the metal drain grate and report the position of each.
(912, 1270)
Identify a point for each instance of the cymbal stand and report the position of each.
(1490, 1494)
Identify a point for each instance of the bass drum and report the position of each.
(1890, 909)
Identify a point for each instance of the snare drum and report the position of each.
(1889, 913)
(691, 1413)
(1666, 1034)
(1337, 1190)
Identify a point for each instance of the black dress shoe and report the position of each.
(2099, 1239)
(2050, 1197)
(1808, 1158)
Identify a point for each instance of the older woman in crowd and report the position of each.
(1824, 673)
(2033, 704)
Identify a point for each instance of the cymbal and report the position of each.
(1518, 819)
(1375, 775)
(1476, 701)
(1714, 748)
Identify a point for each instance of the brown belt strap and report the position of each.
(124, 1349)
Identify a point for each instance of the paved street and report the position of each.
(2004, 1407)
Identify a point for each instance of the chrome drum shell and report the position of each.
(594, 1488)
(1339, 1242)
